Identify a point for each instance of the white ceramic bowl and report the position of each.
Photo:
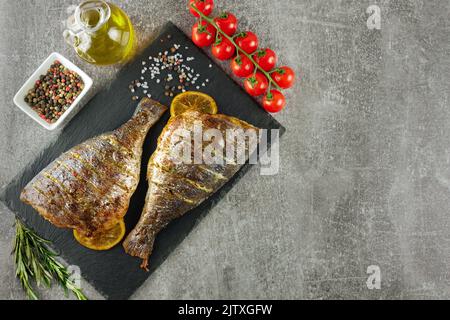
(19, 98)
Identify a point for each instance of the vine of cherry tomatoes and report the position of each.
(257, 66)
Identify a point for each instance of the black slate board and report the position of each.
(113, 273)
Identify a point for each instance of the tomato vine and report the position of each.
(238, 49)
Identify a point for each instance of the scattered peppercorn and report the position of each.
(54, 92)
(170, 69)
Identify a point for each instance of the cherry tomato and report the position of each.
(203, 35)
(227, 22)
(284, 77)
(274, 101)
(242, 66)
(223, 49)
(266, 58)
(205, 6)
(256, 85)
(247, 41)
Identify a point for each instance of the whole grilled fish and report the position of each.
(175, 187)
(89, 187)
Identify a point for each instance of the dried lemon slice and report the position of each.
(192, 100)
(102, 241)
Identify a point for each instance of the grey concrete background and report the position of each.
(364, 177)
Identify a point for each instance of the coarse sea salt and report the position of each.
(171, 61)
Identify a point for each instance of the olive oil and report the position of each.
(108, 37)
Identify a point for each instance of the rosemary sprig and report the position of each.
(35, 261)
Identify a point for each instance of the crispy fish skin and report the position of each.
(88, 188)
(174, 187)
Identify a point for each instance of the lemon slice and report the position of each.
(102, 241)
(192, 100)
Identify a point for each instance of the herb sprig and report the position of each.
(35, 261)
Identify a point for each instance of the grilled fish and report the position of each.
(175, 187)
(88, 188)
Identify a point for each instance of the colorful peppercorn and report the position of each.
(54, 92)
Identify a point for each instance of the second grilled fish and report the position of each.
(176, 187)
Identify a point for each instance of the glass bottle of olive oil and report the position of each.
(101, 33)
